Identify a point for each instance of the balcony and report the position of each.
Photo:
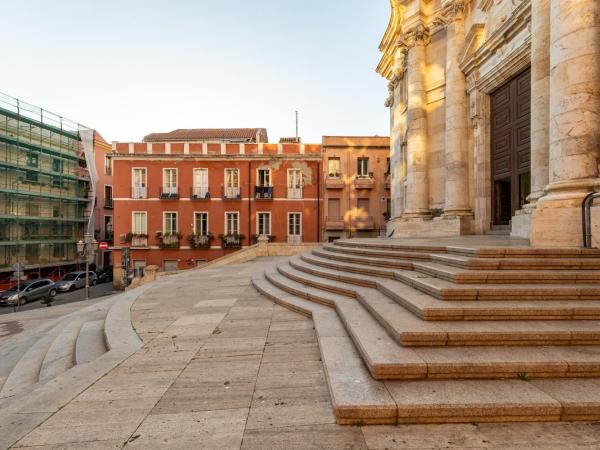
(232, 240)
(364, 223)
(137, 240)
(334, 182)
(334, 223)
(200, 193)
(294, 239)
(139, 192)
(294, 192)
(364, 182)
(168, 240)
(169, 193)
(200, 240)
(108, 203)
(232, 193)
(263, 192)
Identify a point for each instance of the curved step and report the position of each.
(370, 252)
(293, 287)
(298, 263)
(465, 276)
(90, 342)
(26, 371)
(316, 260)
(364, 260)
(307, 278)
(390, 244)
(60, 357)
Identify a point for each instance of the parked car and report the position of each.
(105, 274)
(75, 280)
(28, 291)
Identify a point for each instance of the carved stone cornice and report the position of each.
(451, 11)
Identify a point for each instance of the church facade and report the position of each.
(495, 117)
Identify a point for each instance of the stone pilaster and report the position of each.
(574, 121)
(456, 107)
(540, 97)
(417, 189)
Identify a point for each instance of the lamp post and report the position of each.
(87, 249)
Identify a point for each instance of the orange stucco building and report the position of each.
(356, 199)
(178, 203)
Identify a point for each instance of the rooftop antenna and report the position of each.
(296, 125)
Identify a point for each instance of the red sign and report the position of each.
(103, 246)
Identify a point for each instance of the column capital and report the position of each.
(451, 11)
(417, 35)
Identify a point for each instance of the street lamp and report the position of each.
(87, 249)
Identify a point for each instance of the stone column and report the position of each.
(540, 96)
(417, 189)
(574, 122)
(456, 107)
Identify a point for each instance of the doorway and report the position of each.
(510, 147)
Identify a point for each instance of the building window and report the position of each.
(139, 188)
(387, 167)
(263, 224)
(57, 165)
(57, 182)
(169, 223)
(31, 177)
(362, 169)
(201, 223)
(140, 223)
(232, 223)
(108, 228)
(138, 268)
(334, 168)
(170, 181)
(232, 183)
(200, 189)
(264, 177)
(333, 209)
(32, 159)
(294, 227)
(294, 183)
(107, 165)
(362, 207)
(108, 197)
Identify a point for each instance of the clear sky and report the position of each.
(132, 67)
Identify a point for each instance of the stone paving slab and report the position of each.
(255, 383)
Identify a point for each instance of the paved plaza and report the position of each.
(222, 367)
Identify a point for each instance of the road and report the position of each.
(100, 290)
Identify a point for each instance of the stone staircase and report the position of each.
(42, 370)
(415, 333)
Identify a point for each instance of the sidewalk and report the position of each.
(222, 368)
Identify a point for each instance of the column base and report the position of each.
(556, 220)
(521, 223)
(438, 227)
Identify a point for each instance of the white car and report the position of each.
(75, 280)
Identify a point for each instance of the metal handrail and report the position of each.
(586, 218)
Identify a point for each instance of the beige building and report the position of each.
(495, 117)
(356, 186)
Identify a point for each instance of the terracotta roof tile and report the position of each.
(205, 134)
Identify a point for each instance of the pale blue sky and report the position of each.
(132, 67)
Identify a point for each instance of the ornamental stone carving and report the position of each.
(451, 11)
(419, 35)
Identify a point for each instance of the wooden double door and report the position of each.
(511, 147)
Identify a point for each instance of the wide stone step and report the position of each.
(409, 330)
(299, 263)
(465, 276)
(358, 398)
(428, 307)
(390, 245)
(90, 342)
(365, 260)
(347, 267)
(523, 252)
(323, 279)
(369, 252)
(388, 360)
(446, 290)
(61, 354)
(466, 262)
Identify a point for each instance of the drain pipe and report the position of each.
(586, 218)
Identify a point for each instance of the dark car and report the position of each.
(28, 291)
(105, 274)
